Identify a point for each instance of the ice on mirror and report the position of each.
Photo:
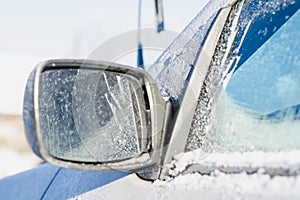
(89, 115)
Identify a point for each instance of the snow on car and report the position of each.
(216, 116)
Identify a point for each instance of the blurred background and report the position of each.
(32, 31)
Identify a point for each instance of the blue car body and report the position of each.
(51, 182)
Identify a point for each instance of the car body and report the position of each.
(217, 50)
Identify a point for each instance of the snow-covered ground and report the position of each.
(15, 155)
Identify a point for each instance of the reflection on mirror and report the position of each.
(89, 115)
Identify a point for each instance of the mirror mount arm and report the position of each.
(153, 172)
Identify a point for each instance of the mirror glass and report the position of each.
(91, 115)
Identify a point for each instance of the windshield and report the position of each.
(262, 109)
(248, 112)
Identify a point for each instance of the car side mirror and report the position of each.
(94, 115)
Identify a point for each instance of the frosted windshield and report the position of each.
(262, 109)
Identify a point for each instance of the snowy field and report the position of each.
(15, 155)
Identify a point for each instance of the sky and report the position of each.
(32, 31)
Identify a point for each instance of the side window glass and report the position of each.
(262, 109)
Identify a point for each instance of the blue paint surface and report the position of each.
(51, 182)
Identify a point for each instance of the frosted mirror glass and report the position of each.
(90, 115)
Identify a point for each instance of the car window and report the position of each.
(262, 103)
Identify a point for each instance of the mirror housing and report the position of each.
(94, 115)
